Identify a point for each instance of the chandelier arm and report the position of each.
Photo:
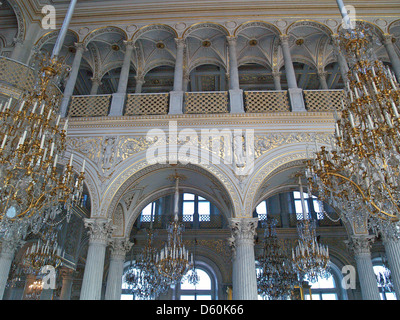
(363, 195)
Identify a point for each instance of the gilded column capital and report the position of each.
(243, 231)
(388, 38)
(360, 245)
(232, 40)
(119, 247)
(180, 42)
(284, 39)
(129, 44)
(80, 46)
(100, 230)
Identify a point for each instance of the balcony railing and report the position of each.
(17, 78)
(206, 102)
(147, 104)
(323, 100)
(266, 101)
(90, 106)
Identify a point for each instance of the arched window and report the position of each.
(323, 289)
(195, 211)
(262, 210)
(203, 290)
(328, 288)
(312, 204)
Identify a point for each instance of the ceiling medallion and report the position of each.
(115, 47)
(253, 42)
(72, 49)
(206, 43)
(160, 45)
(299, 41)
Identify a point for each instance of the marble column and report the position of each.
(73, 75)
(295, 93)
(139, 83)
(277, 80)
(322, 80)
(235, 93)
(244, 278)
(119, 248)
(341, 60)
(392, 248)
(176, 95)
(100, 231)
(96, 83)
(393, 56)
(360, 245)
(8, 249)
(118, 98)
(67, 275)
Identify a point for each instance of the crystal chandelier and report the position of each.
(192, 276)
(310, 257)
(45, 252)
(143, 276)
(276, 274)
(173, 259)
(33, 141)
(360, 175)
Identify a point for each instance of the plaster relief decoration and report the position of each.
(266, 142)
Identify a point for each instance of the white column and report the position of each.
(118, 99)
(96, 83)
(176, 96)
(277, 80)
(295, 93)
(119, 248)
(393, 56)
(235, 93)
(100, 231)
(73, 75)
(360, 245)
(322, 80)
(139, 83)
(392, 248)
(244, 278)
(67, 281)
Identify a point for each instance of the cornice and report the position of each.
(110, 12)
(319, 121)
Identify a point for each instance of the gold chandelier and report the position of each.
(45, 252)
(173, 259)
(360, 175)
(32, 143)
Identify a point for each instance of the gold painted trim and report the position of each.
(368, 22)
(55, 31)
(154, 24)
(309, 20)
(105, 27)
(184, 35)
(261, 21)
